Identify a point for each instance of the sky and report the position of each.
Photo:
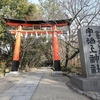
(34, 1)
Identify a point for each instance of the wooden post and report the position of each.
(16, 55)
(56, 50)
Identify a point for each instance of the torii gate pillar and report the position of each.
(56, 50)
(16, 55)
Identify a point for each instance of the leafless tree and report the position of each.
(82, 12)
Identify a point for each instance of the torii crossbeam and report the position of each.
(37, 25)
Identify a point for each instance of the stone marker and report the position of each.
(89, 45)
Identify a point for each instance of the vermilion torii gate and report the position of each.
(38, 24)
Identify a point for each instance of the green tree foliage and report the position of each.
(6, 50)
(33, 12)
(15, 9)
(18, 9)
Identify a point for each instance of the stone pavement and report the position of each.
(38, 85)
(24, 89)
(55, 88)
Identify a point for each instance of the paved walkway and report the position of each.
(39, 85)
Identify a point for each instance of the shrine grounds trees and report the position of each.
(35, 52)
(20, 9)
(82, 12)
(52, 10)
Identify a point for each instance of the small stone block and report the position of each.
(57, 73)
(13, 73)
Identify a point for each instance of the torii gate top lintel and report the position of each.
(43, 23)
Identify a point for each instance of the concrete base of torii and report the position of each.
(57, 73)
(12, 73)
